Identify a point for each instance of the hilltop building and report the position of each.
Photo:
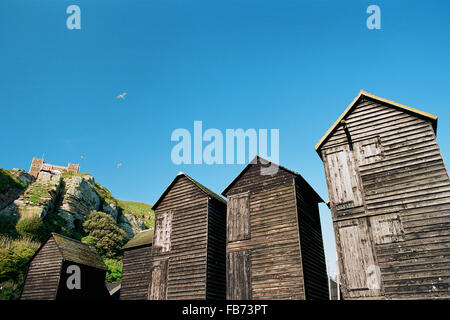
(38, 165)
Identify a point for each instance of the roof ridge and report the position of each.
(372, 96)
(252, 162)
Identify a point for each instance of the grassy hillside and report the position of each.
(7, 180)
(139, 210)
(21, 236)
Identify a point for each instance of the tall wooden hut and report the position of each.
(274, 238)
(188, 253)
(390, 201)
(136, 266)
(52, 269)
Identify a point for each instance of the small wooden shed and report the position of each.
(188, 252)
(136, 266)
(274, 237)
(56, 267)
(390, 201)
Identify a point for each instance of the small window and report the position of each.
(369, 151)
(238, 216)
(163, 230)
(387, 228)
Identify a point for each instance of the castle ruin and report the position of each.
(38, 165)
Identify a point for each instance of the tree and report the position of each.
(104, 234)
(114, 273)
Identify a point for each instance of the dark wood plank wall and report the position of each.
(276, 268)
(407, 183)
(42, 279)
(188, 253)
(313, 255)
(216, 268)
(136, 275)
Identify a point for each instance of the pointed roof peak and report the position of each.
(363, 93)
(195, 182)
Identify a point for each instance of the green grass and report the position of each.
(139, 210)
(36, 192)
(7, 180)
(71, 174)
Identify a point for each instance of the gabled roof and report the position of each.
(197, 184)
(257, 160)
(355, 101)
(142, 238)
(78, 252)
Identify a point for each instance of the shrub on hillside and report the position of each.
(104, 234)
(114, 273)
(15, 255)
(8, 225)
(32, 227)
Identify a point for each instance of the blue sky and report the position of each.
(288, 65)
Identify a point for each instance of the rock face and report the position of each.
(72, 198)
(12, 193)
(39, 198)
(78, 199)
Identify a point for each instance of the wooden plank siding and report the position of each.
(271, 246)
(404, 212)
(41, 282)
(136, 273)
(50, 269)
(195, 265)
(312, 251)
(216, 253)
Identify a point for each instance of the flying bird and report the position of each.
(121, 96)
(82, 157)
(119, 165)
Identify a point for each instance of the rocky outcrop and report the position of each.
(12, 192)
(71, 197)
(38, 199)
(78, 199)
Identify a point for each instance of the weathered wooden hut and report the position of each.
(64, 268)
(274, 237)
(136, 266)
(188, 253)
(390, 201)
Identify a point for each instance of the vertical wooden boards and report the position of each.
(357, 259)
(239, 275)
(345, 186)
(158, 280)
(238, 217)
(163, 230)
(43, 274)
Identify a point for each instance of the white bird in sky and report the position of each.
(119, 165)
(121, 96)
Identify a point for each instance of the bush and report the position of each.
(14, 257)
(8, 225)
(104, 232)
(32, 227)
(114, 270)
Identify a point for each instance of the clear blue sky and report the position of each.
(290, 65)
